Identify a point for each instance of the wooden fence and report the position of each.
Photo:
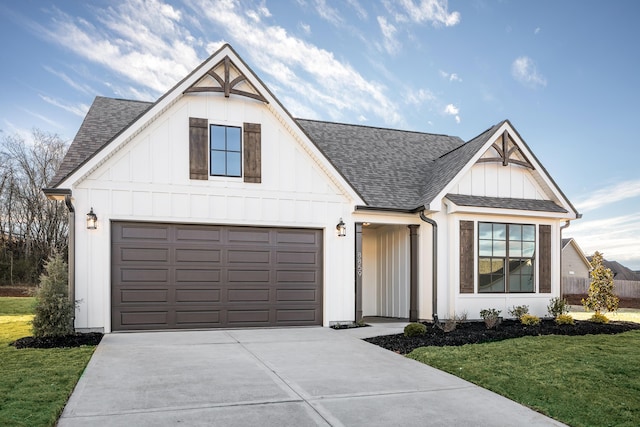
(580, 286)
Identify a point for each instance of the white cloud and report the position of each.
(452, 77)
(616, 237)
(79, 110)
(524, 70)
(391, 45)
(142, 41)
(452, 110)
(71, 82)
(328, 13)
(608, 195)
(433, 11)
(362, 13)
(303, 69)
(420, 96)
(536, 31)
(306, 28)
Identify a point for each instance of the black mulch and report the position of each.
(477, 332)
(76, 340)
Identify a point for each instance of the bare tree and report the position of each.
(32, 226)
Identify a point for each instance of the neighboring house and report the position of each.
(216, 208)
(620, 272)
(574, 263)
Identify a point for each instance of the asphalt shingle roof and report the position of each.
(506, 203)
(106, 118)
(386, 167)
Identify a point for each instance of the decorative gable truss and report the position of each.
(225, 77)
(505, 151)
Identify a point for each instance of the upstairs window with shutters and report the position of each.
(226, 151)
(229, 151)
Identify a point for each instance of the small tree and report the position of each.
(601, 296)
(53, 311)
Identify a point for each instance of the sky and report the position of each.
(565, 73)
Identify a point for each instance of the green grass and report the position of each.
(35, 383)
(581, 381)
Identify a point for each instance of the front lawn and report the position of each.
(579, 380)
(35, 383)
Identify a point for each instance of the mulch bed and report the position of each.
(76, 340)
(476, 332)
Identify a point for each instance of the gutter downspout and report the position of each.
(71, 262)
(562, 227)
(434, 269)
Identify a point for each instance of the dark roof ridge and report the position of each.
(125, 99)
(376, 127)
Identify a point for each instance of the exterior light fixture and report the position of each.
(92, 220)
(342, 228)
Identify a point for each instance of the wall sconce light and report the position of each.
(342, 228)
(92, 220)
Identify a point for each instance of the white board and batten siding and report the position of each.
(148, 180)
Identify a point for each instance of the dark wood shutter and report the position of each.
(198, 148)
(466, 257)
(544, 246)
(252, 152)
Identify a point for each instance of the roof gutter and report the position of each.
(434, 268)
(65, 194)
(562, 227)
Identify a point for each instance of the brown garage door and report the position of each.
(170, 276)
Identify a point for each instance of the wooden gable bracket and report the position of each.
(225, 86)
(506, 154)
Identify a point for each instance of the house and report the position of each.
(574, 262)
(214, 207)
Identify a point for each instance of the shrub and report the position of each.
(564, 319)
(519, 311)
(557, 306)
(491, 317)
(53, 311)
(529, 319)
(601, 296)
(414, 330)
(451, 324)
(599, 318)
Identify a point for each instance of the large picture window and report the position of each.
(226, 151)
(506, 257)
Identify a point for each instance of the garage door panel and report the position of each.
(143, 275)
(239, 256)
(200, 255)
(198, 234)
(296, 276)
(249, 317)
(142, 232)
(297, 257)
(248, 276)
(198, 318)
(248, 235)
(143, 296)
(143, 254)
(248, 295)
(197, 295)
(296, 295)
(197, 275)
(297, 316)
(168, 276)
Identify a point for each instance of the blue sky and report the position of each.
(564, 72)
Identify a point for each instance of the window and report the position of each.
(226, 151)
(506, 257)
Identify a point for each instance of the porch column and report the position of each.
(358, 272)
(413, 267)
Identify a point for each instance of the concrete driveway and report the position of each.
(275, 377)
